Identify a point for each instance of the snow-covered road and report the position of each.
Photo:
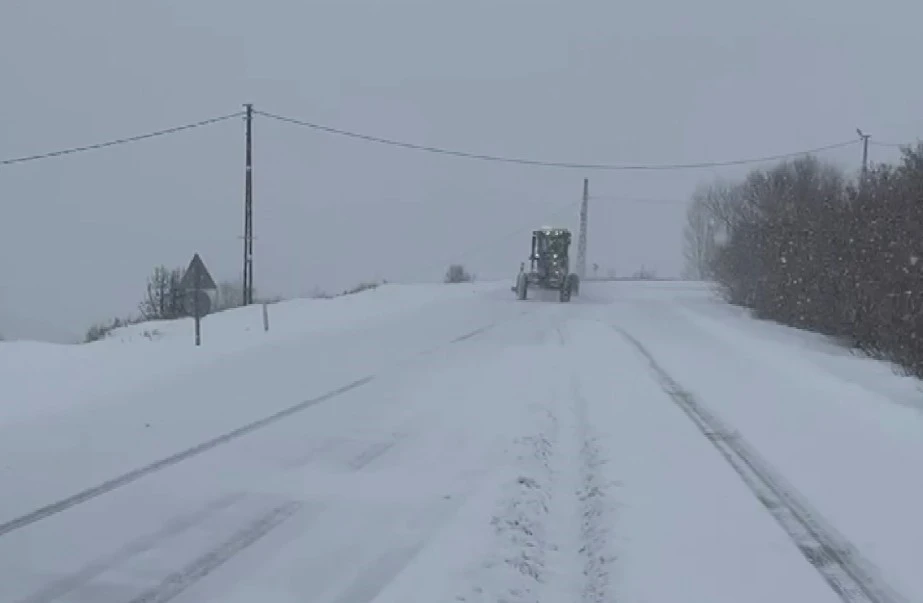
(451, 444)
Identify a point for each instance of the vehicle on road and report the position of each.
(549, 265)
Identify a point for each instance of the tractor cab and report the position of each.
(548, 242)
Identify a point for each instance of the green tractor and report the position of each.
(550, 265)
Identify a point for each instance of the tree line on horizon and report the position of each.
(804, 244)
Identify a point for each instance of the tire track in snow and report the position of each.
(177, 526)
(474, 333)
(303, 457)
(850, 575)
(516, 569)
(485, 328)
(132, 476)
(594, 507)
(179, 581)
(593, 503)
(59, 588)
(523, 523)
(370, 454)
(115, 483)
(551, 522)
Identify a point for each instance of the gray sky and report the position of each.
(591, 81)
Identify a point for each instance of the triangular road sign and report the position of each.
(197, 270)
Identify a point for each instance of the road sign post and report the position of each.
(198, 280)
(195, 303)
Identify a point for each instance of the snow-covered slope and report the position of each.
(448, 443)
(37, 377)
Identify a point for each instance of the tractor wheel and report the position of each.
(565, 291)
(522, 286)
(574, 283)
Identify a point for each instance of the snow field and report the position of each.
(360, 482)
(840, 563)
(843, 445)
(415, 499)
(811, 350)
(684, 526)
(612, 493)
(86, 444)
(38, 379)
(493, 451)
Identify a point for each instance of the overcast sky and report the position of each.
(664, 81)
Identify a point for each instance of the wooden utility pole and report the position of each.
(248, 212)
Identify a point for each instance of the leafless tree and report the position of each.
(805, 247)
(164, 297)
(456, 273)
(698, 240)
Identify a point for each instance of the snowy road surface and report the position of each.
(424, 444)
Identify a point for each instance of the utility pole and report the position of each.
(581, 240)
(865, 153)
(248, 212)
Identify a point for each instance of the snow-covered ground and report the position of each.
(448, 443)
(149, 351)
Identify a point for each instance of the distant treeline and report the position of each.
(804, 244)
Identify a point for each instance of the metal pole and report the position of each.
(248, 211)
(196, 309)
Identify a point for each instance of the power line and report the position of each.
(647, 201)
(437, 150)
(896, 145)
(553, 164)
(110, 143)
